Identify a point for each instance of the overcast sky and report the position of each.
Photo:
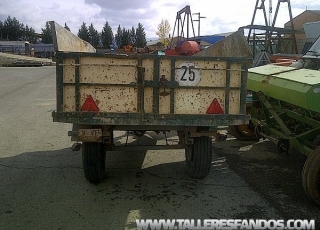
(221, 15)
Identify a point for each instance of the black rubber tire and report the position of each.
(313, 176)
(199, 157)
(93, 160)
(242, 135)
(305, 171)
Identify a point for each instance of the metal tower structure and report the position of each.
(180, 23)
(273, 34)
(293, 34)
(258, 7)
(198, 20)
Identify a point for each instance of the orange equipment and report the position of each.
(187, 48)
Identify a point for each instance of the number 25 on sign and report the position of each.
(188, 74)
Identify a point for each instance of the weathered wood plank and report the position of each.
(234, 45)
(64, 40)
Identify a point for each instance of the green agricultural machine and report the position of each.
(285, 108)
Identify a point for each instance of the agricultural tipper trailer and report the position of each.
(100, 93)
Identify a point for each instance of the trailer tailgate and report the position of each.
(150, 89)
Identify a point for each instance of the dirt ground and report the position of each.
(276, 177)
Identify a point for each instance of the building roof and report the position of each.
(306, 11)
(210, 39)
(314, 11)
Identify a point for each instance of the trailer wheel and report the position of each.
(311, 176)
(93, 160)
(243, 132)
(198, 157)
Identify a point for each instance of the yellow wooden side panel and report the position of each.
(113, 99)
(101, 71)
(164, 101)
(235, 81)
(196, 101)
(148, 100)
(234, 102)
(213, 73)
(165, 69)
(147, 64)
(235, 75)
(96, 70)
(69, 99)
(205, 74)
(69, 71)
(108, 70)
(210, 73)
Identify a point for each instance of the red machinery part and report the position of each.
(187, 48)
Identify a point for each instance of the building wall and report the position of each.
(298, 21)
(15, 47)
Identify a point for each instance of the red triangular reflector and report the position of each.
(90, 105)
(215, 107)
